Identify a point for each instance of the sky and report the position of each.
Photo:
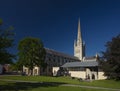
(55, 22)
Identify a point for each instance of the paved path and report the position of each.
(72, 85)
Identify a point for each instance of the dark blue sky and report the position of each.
(55, 22)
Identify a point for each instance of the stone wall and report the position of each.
(78, 74)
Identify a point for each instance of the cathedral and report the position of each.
(86, 67)
(78, 66)
(79, 46)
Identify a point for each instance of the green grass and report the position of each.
(21, 86)
(100, 83)
(58, 80)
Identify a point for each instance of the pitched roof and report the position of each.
(81, 64)
(53, 52)
(89, 58)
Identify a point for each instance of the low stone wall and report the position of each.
(101, 76)
(78, 74)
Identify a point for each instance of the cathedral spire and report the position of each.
(79, 36)
(79, 46)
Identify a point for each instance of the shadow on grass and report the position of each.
(16, 86)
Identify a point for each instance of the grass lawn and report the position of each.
(21, 86)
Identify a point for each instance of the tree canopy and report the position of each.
(6, 41)
(111, 65)
(31, 52)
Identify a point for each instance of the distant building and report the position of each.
(4, 68)
(1, 69)
(78, 65)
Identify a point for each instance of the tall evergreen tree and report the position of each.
(6, 41)
(111, 65)
(31, 53)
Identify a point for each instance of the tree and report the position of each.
(6, 41)
(111, 65)
(31, 53)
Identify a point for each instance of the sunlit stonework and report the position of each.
(79, 46)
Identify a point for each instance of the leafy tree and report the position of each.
(31, 53)
(1, 21)
(6, 41)
(111, 65)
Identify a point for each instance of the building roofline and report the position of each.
(51, 51)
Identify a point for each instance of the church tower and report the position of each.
(79, 46)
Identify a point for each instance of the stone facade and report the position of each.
(87, 69)
(36, 70)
